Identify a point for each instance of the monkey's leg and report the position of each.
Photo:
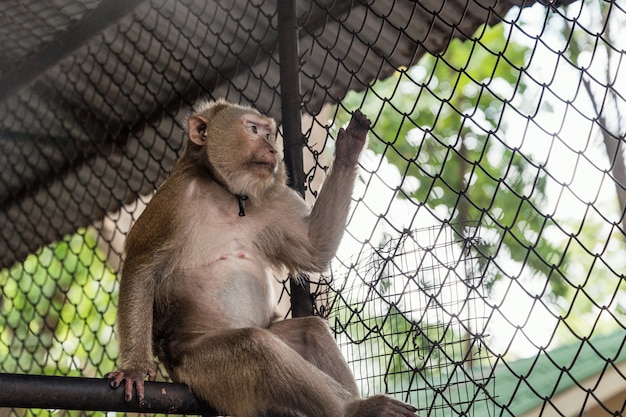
(312, 339)
(246, 372)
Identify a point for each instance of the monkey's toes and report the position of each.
(382, 406)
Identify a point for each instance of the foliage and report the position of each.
(596, 279)
(405, 329)
(395, 346)
(441, 123)
(57, 312)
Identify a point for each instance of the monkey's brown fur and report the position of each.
(196, 285)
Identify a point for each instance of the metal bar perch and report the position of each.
(95, 394)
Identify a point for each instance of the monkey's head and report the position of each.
(238, 146)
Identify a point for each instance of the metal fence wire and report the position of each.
(482, 268)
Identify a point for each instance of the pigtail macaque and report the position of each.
(196, 285)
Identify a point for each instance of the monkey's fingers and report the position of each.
(359, 124)
(115, 377)
(349, 144)
(151, 375)
(128, 389)
(129, 381)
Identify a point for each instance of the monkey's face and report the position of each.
(239, 145)
(259, 141)
(254, 166)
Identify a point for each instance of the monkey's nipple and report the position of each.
(240, 255)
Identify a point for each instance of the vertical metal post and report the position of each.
(291, 103)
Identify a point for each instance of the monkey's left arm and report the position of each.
(308, 243)
(328, 217)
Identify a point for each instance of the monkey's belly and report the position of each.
(232, 292)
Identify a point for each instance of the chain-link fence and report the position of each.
(482, 268)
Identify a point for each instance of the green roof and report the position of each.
(524, 384)
(515, 388)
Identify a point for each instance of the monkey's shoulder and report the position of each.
(286, 209)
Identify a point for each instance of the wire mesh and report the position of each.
(411, 317)
(482, 267)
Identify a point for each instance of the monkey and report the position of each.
(196, 283)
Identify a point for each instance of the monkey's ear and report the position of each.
(196, 128)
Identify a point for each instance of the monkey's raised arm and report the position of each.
(310, 245)
(328, 217)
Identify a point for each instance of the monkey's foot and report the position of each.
(380, 406)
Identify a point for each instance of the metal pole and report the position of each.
(290, 92)
(95, 394)
(293, 140)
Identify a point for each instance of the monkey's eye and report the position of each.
(254, 129)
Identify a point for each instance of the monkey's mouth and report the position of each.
(265, 165)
